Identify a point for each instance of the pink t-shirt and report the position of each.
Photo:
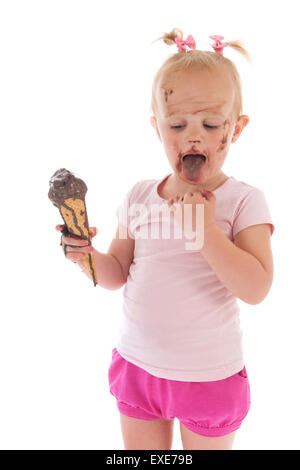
(179, 321)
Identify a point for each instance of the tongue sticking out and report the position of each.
(191, 166)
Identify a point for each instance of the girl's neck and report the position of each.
(177, 186)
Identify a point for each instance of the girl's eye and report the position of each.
(205, 125)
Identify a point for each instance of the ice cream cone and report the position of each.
(68, 194)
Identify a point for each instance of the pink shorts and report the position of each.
(207, 408)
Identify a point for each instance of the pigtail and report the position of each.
(169, 38)
(237, 45)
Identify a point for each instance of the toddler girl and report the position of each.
(180, 352)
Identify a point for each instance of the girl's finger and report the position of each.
(75, 256)
(74, 241)
(70, 251)
(93, 231)
(208, 194)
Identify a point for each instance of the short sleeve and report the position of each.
(252, 210)
(122, 211)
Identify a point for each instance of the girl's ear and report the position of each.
(153, 123)
(242, 122)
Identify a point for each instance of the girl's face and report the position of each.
(196, 115)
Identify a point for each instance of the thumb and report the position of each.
(209, 195)
(93, 231)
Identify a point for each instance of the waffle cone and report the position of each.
(74, 213)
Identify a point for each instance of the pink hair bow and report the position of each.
(218, 44)
(189, 41)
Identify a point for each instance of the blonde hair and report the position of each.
(195, 59)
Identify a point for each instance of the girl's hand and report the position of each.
(176, 207)
(81, 247)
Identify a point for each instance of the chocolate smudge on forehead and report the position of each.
(167, 93)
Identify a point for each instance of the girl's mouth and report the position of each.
(189, 156)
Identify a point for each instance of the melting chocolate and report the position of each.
(64, 184)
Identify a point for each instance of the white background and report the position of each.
(75, 88)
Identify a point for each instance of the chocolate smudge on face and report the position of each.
(167, 93)
(224, 140)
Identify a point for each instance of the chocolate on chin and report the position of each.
(67, 193)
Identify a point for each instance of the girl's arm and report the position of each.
(113, 267)
(244, 266)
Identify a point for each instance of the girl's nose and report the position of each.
(195, 139)
(195, 135)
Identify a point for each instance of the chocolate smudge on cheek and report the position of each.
(179, 162)
(224, 140)
(222, 146)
